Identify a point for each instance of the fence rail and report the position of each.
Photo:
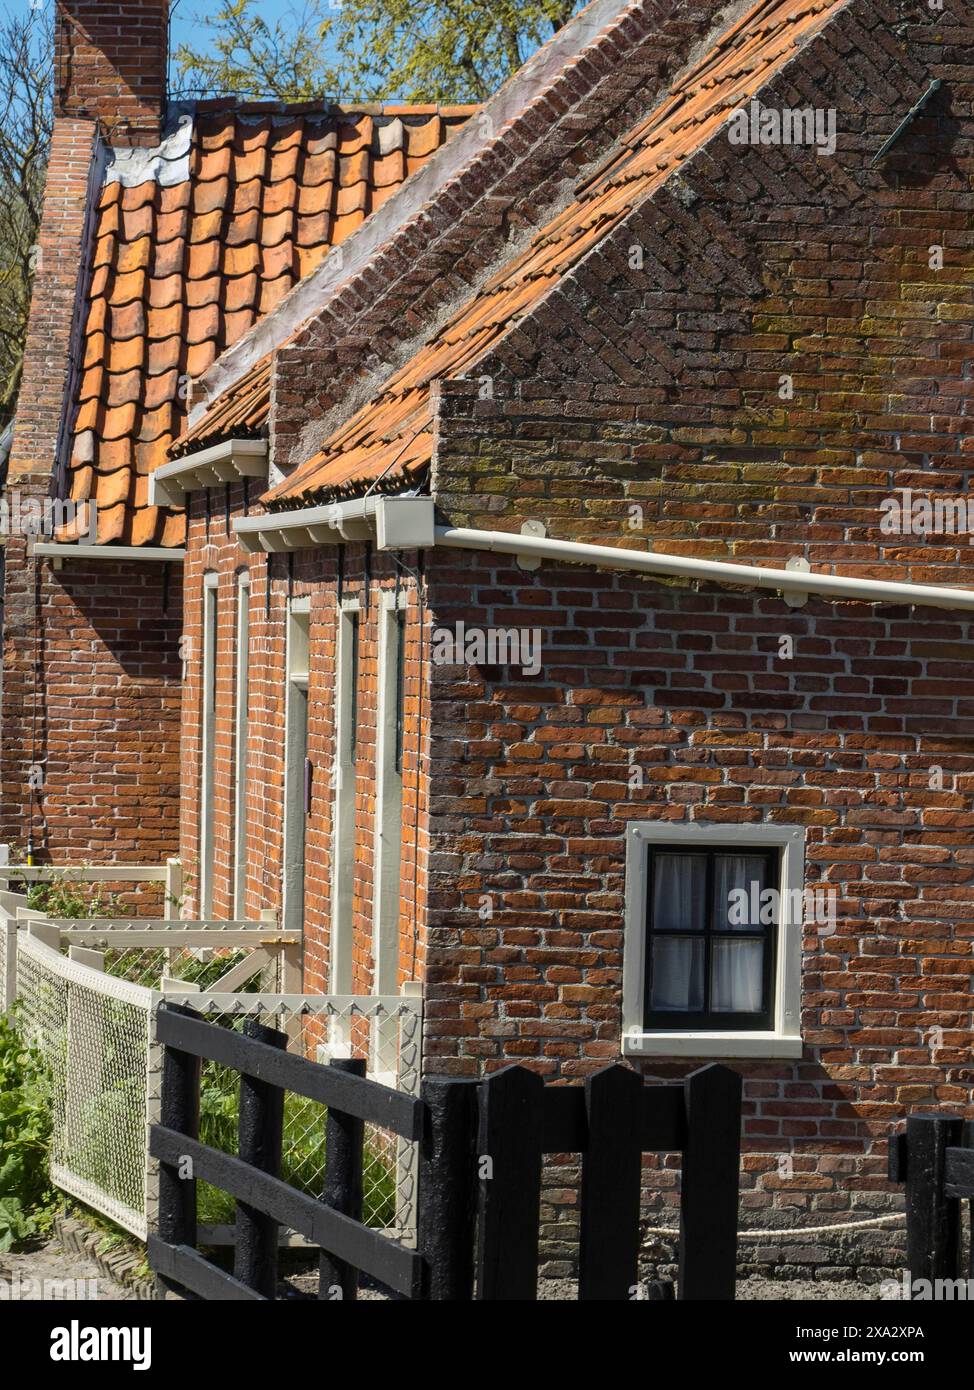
(480, 1173)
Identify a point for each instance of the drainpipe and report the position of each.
(794, 582)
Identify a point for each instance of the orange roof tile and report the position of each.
(390, 438)
(180, 272)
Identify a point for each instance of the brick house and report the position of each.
(568, 626)
(168, 230)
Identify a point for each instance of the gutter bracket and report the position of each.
(535, 529)
(795, 598)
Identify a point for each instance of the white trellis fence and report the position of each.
(87, 992)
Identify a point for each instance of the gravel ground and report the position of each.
(304, 1284)
(48, 1273)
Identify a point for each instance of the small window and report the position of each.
(710, 961)
(713, 946)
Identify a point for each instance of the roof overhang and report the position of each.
(395, 523)
(227, 462)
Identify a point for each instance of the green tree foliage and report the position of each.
(411, 50)
(26, 47)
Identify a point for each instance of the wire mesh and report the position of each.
(95, 1034)
(94, 1048)
(202, 966)
(386, 1033)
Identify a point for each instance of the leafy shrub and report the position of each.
(63, 897)
(27, 1200)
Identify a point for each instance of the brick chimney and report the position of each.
(111, 60)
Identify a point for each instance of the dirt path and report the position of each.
(48, 1273)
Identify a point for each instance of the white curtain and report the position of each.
(680, 892)
(736, 974)
(737, 967)
(677, 975)
(679, 904)
(736, 873)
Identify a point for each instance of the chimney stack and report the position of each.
(111, 58)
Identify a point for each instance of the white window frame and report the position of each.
(343, 804)
(208, 675)
(387, 859)
(784, 1040)
(241, 724)
(297, 672)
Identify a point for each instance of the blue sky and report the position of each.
(188, 26)
(185, 13)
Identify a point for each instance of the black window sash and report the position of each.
(677, 1020)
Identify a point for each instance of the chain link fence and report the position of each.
(92, 1034)
(90, 1015)
(385, 1031)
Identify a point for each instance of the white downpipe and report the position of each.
(718, 571)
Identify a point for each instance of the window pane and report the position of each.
(739, 880)
(677, 974)
(679, 892)
(736, 976)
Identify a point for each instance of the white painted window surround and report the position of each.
(295, 761)
(388, 810)
(207, 741)
(241, 725)
(343, 786)
(784, 1040)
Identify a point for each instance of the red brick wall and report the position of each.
(313, 574)
(90, 690)
(111, 59)
(657, 388)
(688, 686)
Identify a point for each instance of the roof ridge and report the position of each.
(522, 97)
(627, 179)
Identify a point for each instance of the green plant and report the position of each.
(61, 896)
(27, 1200)
(303, 1151)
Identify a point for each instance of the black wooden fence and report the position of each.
(482, 1147)
(935, 1160)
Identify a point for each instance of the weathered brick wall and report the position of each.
(91, 713)
(689, 687)
(111, 65)
(325, 576)
(37, 427)
(571, 120)
(90, 698)
(641, 403)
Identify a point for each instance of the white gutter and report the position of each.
(309, 526)
(796, 581)
(58, 551)
(395, 523)
(226, 462)
(408, 523)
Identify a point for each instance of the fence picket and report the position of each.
(344, 1137)
(933, 1218)
(180, 1111)
(510, 1147)
(260, 1131)
(447, 1188)
(608, 1252)
(709, 1193)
